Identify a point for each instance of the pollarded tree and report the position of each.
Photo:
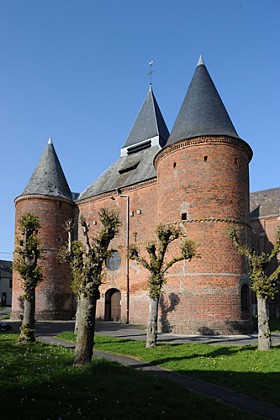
(263, 284)
(26, 264)
(158, 266)
(86, 265)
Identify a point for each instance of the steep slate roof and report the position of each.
(48, 177)
(149, 123)
(202, 112)
(265, 203)
(148, 135)
(127, 170)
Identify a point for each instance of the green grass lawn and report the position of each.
(241, 368)
(5, 316)
(39, 382)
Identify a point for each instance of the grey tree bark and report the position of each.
(264, 335)
(152, 327)
(85, 333)
(77, 318)
(27, 329)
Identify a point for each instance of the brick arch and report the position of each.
(112, 305)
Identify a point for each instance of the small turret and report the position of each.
(48, 195)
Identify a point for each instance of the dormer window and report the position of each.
(129, 168)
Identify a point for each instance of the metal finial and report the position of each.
(151, 71)
(200, 61)
(50, 140)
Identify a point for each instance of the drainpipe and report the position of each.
(127, 258)
(118, 192)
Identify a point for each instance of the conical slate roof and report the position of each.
(149, 123)
(48, 177)
(202, 112)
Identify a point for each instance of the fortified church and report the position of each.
(197, 177)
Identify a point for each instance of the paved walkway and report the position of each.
(134, 332)
(46, 332)
(219, 393)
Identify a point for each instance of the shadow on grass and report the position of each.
(39, 382)
(41, 375)
(215, 364)
(222, 351)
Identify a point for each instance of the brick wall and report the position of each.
(142, 223)
(54, 299)
(205, 181)
(262, 240)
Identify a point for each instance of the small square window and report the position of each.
(184, 216)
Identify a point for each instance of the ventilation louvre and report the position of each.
(138, 147)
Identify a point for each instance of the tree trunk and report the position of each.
(264, 336)
(86, 327)
(76, 319)
(27, 329)
(152, 326)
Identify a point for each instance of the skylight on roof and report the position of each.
(129, 168)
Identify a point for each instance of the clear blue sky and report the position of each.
(76, 71)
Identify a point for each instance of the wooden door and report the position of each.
(116, 305)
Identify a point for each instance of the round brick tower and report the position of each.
(203, 184)
(47, 195)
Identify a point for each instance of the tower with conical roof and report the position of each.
(48, 195)
(203, 184)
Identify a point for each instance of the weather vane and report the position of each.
(151, 71)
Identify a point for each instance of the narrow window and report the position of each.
(205, 158)
(174, 164)
(184, 216)
(245, 299)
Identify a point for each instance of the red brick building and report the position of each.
(196, 177)
(264, 220)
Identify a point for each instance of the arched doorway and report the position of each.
(112, 305)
